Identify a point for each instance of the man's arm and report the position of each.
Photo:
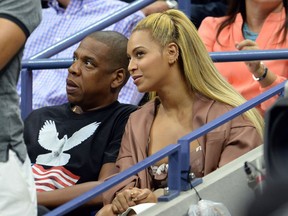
(11, 41)
(60, 196)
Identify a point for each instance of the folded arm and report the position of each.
(61, 196)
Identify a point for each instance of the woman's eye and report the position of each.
(139, 54)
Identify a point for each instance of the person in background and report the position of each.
(250, 25)
(200, 9)
(74, 146)
(157, 6)
(17, 191)
(63, 18)
(168, 59)
(44, 3)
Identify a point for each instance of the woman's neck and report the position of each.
(257, 13)
(176, 102)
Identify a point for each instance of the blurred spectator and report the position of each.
(62, 19)
(250, 25)
(44, 3)
(17, 191)
(200, 9)
(157, 6)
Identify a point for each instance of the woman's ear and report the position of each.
(173, 52)
(119, 77)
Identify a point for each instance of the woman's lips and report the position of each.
(136, 78)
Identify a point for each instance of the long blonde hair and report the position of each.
(197, 66)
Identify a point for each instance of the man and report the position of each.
(62, 19)
(75, 145)
(17, 191)
(200, 9)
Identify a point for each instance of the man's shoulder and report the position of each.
(122, 107)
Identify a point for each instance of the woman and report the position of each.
(250, 25)
(168, 58)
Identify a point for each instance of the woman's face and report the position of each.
(148, 64)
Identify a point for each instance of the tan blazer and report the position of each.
(218, 147)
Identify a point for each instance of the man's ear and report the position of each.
(119, 77)
(173, 52)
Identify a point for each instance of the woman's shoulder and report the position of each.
(144, 112)
(218, 109)
(214, 22)
(210, 108)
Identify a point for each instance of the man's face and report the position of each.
(89, 79)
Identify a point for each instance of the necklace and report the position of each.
(77, 109)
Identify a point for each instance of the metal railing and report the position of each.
(26, 75)
(178, 154)
(179, 157)
(34, 64)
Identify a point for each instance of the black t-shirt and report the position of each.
(66, 148)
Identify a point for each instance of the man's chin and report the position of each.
(72, 100)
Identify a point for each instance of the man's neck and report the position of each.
(79, 110)
(257, 13)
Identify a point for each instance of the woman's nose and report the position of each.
(132, 66)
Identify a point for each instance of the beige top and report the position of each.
(218, 147)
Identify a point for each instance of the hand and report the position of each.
(253, 66)
(157, 6)
(131, 197)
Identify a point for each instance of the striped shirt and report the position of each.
(58, 24)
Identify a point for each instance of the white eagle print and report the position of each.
(48, 139)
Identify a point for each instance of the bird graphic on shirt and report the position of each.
(48, 139)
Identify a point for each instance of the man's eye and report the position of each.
(74, 59)
(88, 63)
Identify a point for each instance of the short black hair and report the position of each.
(117, 55)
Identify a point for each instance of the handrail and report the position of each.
(233, 113)
(103, 23)
(178, 153)
(183, 142)
(249, 55)
(27, 76)
(232, 56)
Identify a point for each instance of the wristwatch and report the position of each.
(264, 74)
(172, 4)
